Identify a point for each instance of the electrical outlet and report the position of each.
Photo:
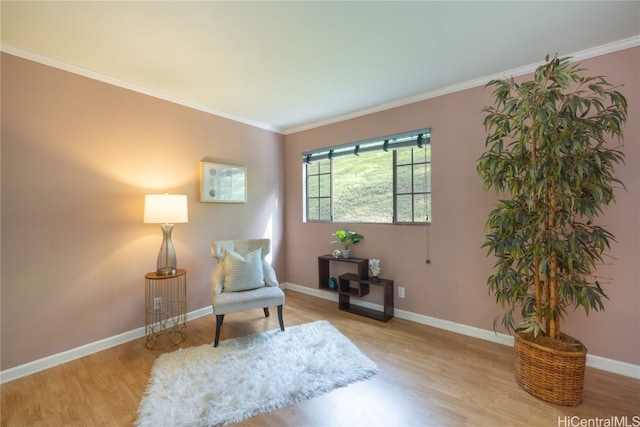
(157, 303)
(401, 292)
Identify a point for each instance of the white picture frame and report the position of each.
(222, 183)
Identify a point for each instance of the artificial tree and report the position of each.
(550, 157)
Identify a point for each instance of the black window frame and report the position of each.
(415, 139)
(319, 197)
(413, 193)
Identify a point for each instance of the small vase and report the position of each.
(346, 253)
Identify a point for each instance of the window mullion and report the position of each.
(331, 183)
(394, 219)
(413, 186)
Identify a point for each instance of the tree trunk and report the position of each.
(554, 329)
(536, 260)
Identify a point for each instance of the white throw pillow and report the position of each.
(269, 274)
(243, 273)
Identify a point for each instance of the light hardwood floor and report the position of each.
(428, 377)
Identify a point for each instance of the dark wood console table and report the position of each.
(323, 269)
(356, 285)
(351, 285)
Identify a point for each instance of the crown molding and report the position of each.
(481, 81)
(45, 60)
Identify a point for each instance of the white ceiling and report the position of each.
(288, 66)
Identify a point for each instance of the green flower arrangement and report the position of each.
(347, 238)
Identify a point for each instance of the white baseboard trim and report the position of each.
(614, 366)
(597, 362)
(85, 350)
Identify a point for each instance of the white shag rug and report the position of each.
(243, 377)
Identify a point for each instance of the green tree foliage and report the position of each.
(549, 159)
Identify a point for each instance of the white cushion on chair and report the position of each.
(231, 302)
(243, 273)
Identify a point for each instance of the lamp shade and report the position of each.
(165, 208)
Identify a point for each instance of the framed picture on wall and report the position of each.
(223, 183)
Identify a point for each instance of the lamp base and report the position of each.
(166, 265)
(166, 271)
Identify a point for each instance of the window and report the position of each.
(386, 180)
(319, 190)
(412, 178)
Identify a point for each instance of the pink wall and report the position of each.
(78, 156)
(453, 286)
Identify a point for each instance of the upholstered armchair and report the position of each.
(243, 280)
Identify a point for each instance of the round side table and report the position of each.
(165, 309)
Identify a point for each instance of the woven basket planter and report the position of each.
(551, 375)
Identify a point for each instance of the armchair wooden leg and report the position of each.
(280, 317)
(219, 319)
(266, 312)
